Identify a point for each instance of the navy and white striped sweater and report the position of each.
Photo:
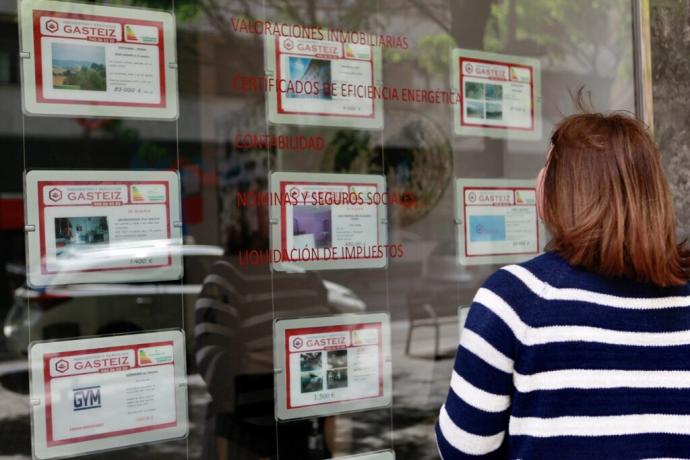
(559, 363)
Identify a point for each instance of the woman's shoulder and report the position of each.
(545, 269)
(551, 276)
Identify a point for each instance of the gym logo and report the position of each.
(52, 26)
(55, 194)
(86, 398)
(61, 366)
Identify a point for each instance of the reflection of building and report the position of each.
(314, 71)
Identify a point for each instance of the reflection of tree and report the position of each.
(564, 30)
(423, 168)
(559, 29)
(88, 78)
(587, 35)
(354, 14)
(416, 161)
(350, 152)
(451, 16)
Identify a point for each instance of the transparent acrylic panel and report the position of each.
(100, 99)
(331, 63)
(548, 51)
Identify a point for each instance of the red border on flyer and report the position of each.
(51, 442)
(289, 333)
(282, 111)
(283, 214)
(464, 230)
(463, 122)
(38, 53)
(41, 220)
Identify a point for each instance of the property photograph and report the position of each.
(79, 233)
(79, 67)
(312, 226)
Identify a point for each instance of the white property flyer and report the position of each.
(102, 226)
(97, 61)
(497, 221)
(332, 364)
(323, 82)
(328, 221)
(501, 95)
(103, 393)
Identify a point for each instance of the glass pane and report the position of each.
(320, 149)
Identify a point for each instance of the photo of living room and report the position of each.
(311, 227)
(79, 232)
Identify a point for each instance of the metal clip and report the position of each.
(29, 228)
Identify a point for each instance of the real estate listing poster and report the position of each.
(328, 221)
(102, 226)
(97, 61)
(323, 82)
(332, 364)
(104, 393)
(500, 95)
(497, 221)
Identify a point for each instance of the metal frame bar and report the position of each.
(642, 52)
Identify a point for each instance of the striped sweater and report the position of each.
(556, 362)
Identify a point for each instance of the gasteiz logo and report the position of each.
(289, 44)
(61, 366)
(52, 26)
(55, 194)
(297, 343)
(86, 398)
(469, 68)
(471, 197)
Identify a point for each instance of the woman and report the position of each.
(584, 351)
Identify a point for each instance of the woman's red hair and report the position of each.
(607, 203)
